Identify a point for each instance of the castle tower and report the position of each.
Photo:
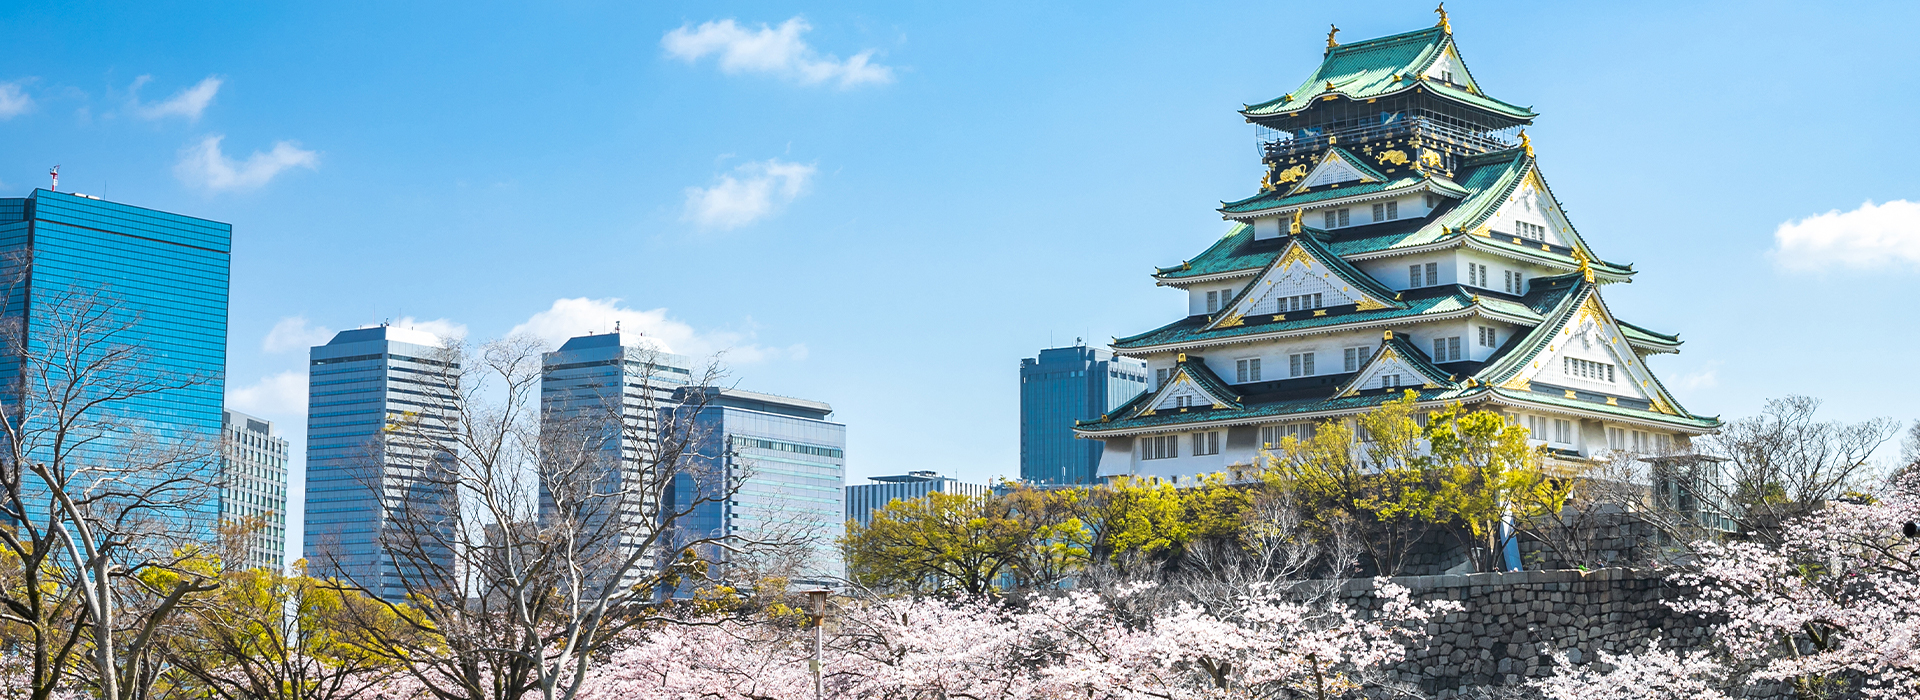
(1403, 238)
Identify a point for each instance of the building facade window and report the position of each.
(1477, 275)
(1160, 377)
(1446, 349)
(1160, 447)
(1247, 370)
(1213, 302)
(1335, 218)
(1354, 357)
(1530, 231)
(1298, 302)
(1386, 211)
(1207, 443)
(1271, 435)
(1563, 431)
(1389, 381)
(1514, 283)
(1300, 365)
(1488, 337)
(1588, 369)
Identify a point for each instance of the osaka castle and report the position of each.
(1404, 238)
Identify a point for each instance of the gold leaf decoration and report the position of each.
(1395, 156)
(1291, 174)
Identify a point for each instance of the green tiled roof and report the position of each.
(1640, 336)
(1274, 409)
(1193, 328)
(1686, 420)
(1380, 67)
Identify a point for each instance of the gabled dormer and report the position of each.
(1337, 167)
(1190, 386)
(1396, 365)
(1580, 352)
(1304, 280)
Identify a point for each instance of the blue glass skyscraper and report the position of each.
(359, 384)
(164, 278)
(1059, 387)
(791, 466)
(613, 393)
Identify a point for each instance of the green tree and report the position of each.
(265, 635)
(941, 542)
(1372, 472)
(1487, 474)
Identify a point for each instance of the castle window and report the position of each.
(1432, 200)
(1423, 275)
(1588, 369)
(1356, 356)
(1446, 349)
(1182, 401)
(1386, 211)
(1487, 337)
(1389, 381)
(1300, 365)
(1296, 303)
(1247, 370)
(1563, 431)
(1476, 274)
(1207, 443)
(1335, 218)
(1271, 435)
(1213, 302)
(1513, 282)
(1160, 447)
(1527, 230)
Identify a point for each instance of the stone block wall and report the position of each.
(1513, 622)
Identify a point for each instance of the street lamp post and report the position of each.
(817, 600)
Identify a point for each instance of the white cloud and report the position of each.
(13, 101)
(441, 328)
(274, 396)
(751, 192)
(774, 51)
(1705, 378)
(573, 317)
(187, 103)
(1872, 236)
(204, 165)
(295, 333)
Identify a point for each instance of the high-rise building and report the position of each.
(164, 276)
(613, 393)
(864, 499)
(1060, 387)
(790, 464)
(380, 410)
(254, 486)
(1404, 239)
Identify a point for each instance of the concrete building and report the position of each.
(1058, 388)
(165, 278)
(864, 499)
(361, 475)
(789, 461)
(254, 485)
(613, 393)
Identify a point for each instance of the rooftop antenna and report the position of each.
(616, 326)
(55, 172)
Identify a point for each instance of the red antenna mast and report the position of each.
(56, 178)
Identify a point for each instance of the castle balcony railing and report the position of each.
(1442, 133)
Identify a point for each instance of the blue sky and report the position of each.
(886, 205)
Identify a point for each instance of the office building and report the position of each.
(789, 462)
(864, 499)
(1061, 386)
(1404, 240)
(612, 393)
(165, 278)
(380, 412)
(253, 490)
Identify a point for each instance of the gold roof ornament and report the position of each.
(1388, 335)
(1182, 358)
(1331, 30)
(1586, 270)
(1444, 24)
(1526, 143)
(1294, 226)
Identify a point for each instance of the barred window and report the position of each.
(1247, 370)
(1213, 302)
(1300, 365)
(1532, 231)
(1207, 443)
(1160, 447)
(1356, 356)
(1446, 349)
(1588, 369)
(1386, 211)
(1297, 302)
